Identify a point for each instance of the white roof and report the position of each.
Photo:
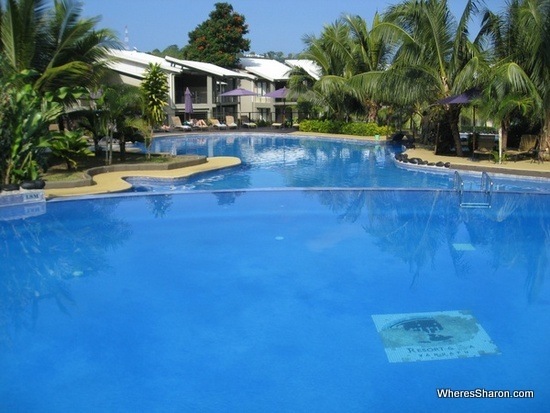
(206, 68)
(134, 63)
(269, 69)
(309, 66)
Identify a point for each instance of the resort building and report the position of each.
(204, 80)
(270, 75)
(309, 66)
(207, 82)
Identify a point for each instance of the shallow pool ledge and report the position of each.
(108, 182)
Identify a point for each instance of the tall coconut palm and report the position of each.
(63, 48)
(371, 53)
(520, 81)
(332, 53)
(344, 49)
(434, 58)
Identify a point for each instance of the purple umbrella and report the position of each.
(238, 92)
(188, 102)
(281, 93)
(278, 94)
(463, 98)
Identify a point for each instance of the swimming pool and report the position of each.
(276, 300)
(280, 161)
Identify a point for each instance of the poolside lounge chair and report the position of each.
(485, 145)
(527, 147)
(217, 124)
(246, 122)
(199, 124)
(276, 125)
(177, 125)
(230, 121)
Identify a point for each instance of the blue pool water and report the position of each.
(282, 161)
(267, 301)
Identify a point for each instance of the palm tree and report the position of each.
(520, 76)
(371, 53)
(345, 49)
(332, 53)
(60, 46)
(434, 58)
(116, 113)
(155, 91)
(49, 53)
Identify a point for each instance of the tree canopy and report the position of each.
(219, 39)
(62, 48)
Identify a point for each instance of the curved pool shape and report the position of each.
(283, 162)
(275, 301)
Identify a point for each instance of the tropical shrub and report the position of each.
(25, 139)
(68, 145)
(322, 126)
(364, 129)
(347, 128)
(24, 129)
(155, 90)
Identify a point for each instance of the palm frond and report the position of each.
(21, 21)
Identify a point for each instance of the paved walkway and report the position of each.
(521, 167)
(114, 181)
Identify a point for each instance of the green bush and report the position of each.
(68, 146)
(347, 128)
(25, 139)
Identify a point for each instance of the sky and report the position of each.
(274, 25)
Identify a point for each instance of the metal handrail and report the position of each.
(486, 188)
(486, 183)
(458, 182)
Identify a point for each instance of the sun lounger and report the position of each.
(527, 147)
(217, 124)
(177, 125)
(246, 122)
(485, 145)
(230, 121)
(199, 124)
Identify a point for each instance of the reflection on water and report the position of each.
(41, 256)
(252, 287)
(282, 161)
(417, 226)
(275, 162)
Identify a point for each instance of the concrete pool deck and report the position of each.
(113, 181)
(523, 167)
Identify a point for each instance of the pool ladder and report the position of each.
(476, 199)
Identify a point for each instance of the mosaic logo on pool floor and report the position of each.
(432, 336)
